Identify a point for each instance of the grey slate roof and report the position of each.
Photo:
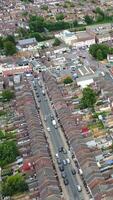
(28, 41)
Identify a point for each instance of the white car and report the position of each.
(79, 188)
(64, 162)
(48, 129)
(57, 156)
(68, 160)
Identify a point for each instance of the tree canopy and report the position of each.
(99, 51)
(8, 152)
(88, 19)
(14, 185)
(9, 48)
(68, 80)
(60, 16)
(39, 24)
(56, 42)
(89, 98)
(8, 45)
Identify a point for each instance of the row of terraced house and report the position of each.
(34, 148)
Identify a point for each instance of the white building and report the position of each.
(79, 39)
(67, 36)
(84, 83)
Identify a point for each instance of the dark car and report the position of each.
(59, 161)
(60, 149)
(61, 167)
(64, 151)
(73, 171)
(39, 100)
(52, 117)
(66, 182)
(63, 174)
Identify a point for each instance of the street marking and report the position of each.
(81, 72)
(86, 70)
(91, 70)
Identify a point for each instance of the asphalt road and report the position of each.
(57, 142)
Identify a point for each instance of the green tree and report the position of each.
(93, 49)
(23, 33)
(75, 23)
(7, 95)
(2, 135)
(10, 38)
(9, 48)
(88, 19)
(99, 54)
(99, 18)
(14, 185)
(8, 152)
(60, 16)
(57, 42)
(68, 80)
(1, 43)
(99, 11)
(36, 23)
(99, 51)
(89, 98)
(110, 50)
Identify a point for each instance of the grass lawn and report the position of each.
(97, 124)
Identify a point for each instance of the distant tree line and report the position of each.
(39, 24)
(100, 17)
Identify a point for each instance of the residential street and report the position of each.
(58, 142)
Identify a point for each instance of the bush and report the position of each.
(68, 80)
(7, 95)
(59, 17)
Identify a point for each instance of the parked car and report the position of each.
(59, 161)
(61, 167)
(52, 117)
(60, 149)
(48, 129)
(73, 171)
(64, 151)
(64, 162)
(57, 156)
(66, 182)
(63, 174)
(68, 160)
(79, 188)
